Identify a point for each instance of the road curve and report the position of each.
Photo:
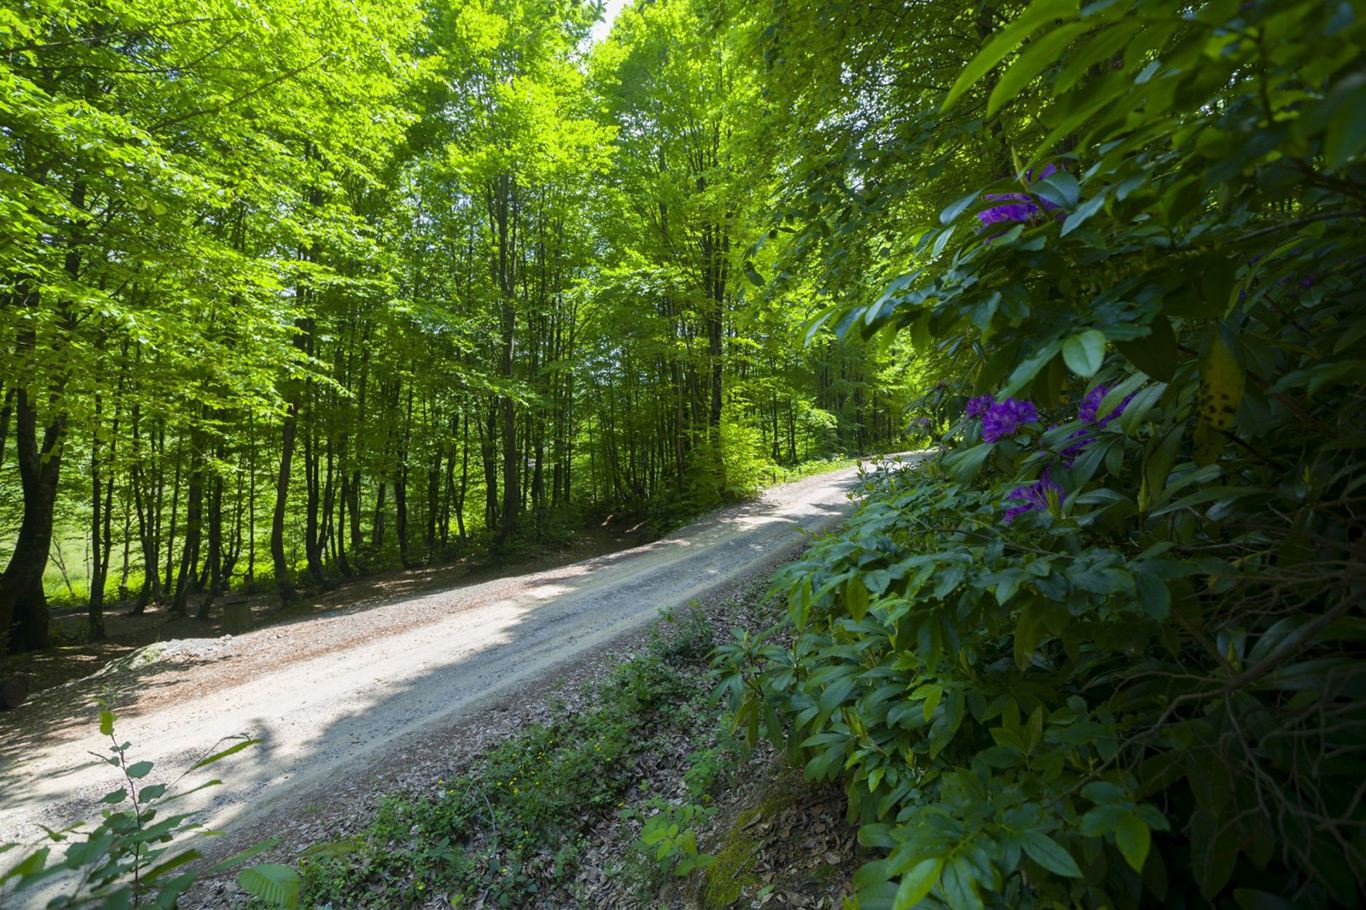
(320, 713)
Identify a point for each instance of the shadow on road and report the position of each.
(558, 614)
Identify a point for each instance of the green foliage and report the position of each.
(669, 835)
(136, 856)
(430, 280)
(1112, 655)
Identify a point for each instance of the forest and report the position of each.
(284, 305)
(301, 290)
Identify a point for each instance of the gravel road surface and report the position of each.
(332, 695)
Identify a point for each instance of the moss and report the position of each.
(726, 878)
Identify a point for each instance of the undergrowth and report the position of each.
(511, 829)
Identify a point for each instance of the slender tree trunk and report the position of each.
(277, 522)
(312, 482)
(95, 599)
(401, 485)
(144, 504)
(213, 565)
(464, 478)
(194, 526)
(6, 409)
(489, 454)
(102, 506)
(288, 433)
(169, 586)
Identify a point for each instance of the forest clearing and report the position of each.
(441, 444)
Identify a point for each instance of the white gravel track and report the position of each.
(332, 695)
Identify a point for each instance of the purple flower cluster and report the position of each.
(1005, 418)
(1031, 498)
(978, 407)
(1087, 413)
(1090, 407)
(1015, 207)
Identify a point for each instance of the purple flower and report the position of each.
(1090, 407)
(1032, 498)
(1005, 418)
(1017, 206)
(1090, 404)
(1079, 440)
(977, 407)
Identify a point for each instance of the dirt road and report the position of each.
(335, 694)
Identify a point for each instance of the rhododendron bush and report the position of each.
(1103, 648)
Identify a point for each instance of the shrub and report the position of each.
(1107, 650)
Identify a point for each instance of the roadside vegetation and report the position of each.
(514, 828)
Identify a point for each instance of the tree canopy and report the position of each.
(298, 292)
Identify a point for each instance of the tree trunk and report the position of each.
(401, 484)
(24, 617)
(277, 521)
(194, 525)
(169, 586)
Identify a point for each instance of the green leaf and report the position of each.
(917, 883)
(173, 863)
(1153, 595)
(139, 770)
(1030, 367)
(964, 465)
(1083, 212)
(1346, 135)
(856, 598)
(1214, 851)
(1154, 354)
(272, 883)
(1039, 12)
(1084, 352)
(1049, 853)
(1250, 899)
(932, 699)
(1222, 378)
(1133, 839)
(1033, 61)
(956, 208)
(1059, 188)
(256, 850)
(29, 865)
(1029, 631)
(218, 756)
